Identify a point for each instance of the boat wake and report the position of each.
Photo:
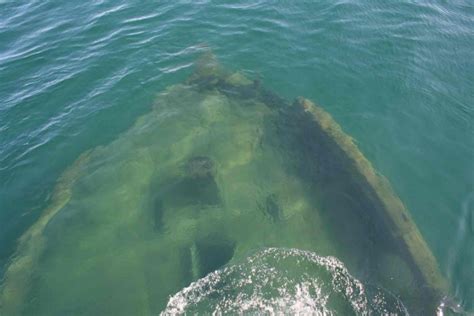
(283, 281)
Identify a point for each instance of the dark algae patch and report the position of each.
(225, 197)
(271, 208)
(158, 211)
(200, 167)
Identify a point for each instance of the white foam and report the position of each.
(276, 281)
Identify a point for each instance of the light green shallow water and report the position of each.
(219, 170)
(398, 77)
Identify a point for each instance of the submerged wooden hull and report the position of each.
(318, 127)
(365, 216)
(387, 207)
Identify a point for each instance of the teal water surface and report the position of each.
(398, 77)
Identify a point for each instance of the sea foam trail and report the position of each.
(267, 282)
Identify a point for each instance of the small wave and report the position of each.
(282, 281)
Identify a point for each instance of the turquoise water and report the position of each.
(398, 77)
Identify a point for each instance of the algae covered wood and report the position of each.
(221, 176)
(17, 277)
(378, 189)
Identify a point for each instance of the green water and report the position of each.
(398, 78)
(221, 168)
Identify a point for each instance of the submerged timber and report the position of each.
(220, 168)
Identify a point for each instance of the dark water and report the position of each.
(398, 77)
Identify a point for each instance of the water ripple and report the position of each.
(398, 76)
